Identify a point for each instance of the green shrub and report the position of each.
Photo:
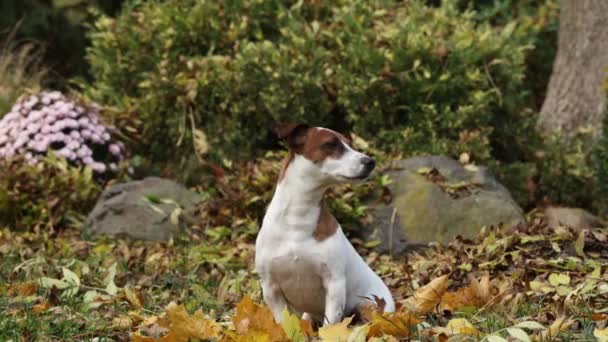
(44, 195)
(413, 78)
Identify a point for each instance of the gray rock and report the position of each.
(459, 201)
(571, 217)
(151, 209)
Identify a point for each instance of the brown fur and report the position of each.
(326, 226)
(284, 164)
(314, 148)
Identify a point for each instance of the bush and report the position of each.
(44, 195)
(415, 78)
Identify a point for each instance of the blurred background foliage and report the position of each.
(57, 27)
(193, 84)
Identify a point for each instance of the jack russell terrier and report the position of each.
(302, 256)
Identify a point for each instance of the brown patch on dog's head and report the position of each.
(314, 143)
(326, 226)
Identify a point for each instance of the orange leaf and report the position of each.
(252, 316)
(185, 326)
(466, 296)
(427, 297)
(41, 307)
(392, 323)
(23, 290)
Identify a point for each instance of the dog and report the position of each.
(303, 259)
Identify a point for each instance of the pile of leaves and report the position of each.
(535, 283)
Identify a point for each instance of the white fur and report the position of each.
(324, 280)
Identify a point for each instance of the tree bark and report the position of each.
(575, 98)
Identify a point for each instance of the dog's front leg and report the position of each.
(335, 300)
(273, 296)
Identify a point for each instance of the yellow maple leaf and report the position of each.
(397, 324)
(462, 326)
(252, 316)
(250, 336)
(295, 328)
(427, 297)
(336, 332)
(184, 326)
(601, 334)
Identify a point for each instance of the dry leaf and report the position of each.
(462, 326)
(397, 324)
(185, 326)
(336, 332)
(560, 324)
(23, 290)
(601, 334)
(579, 245)
(133, 298)
(252, 316)
(292, 326)
(41, 307)
(427, 297)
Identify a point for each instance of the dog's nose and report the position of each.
(369, 163)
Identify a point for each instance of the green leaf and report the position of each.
(518, 334)
(291, 326)
(496, 338)
(559, 279)
(579, 245)
(111, 287)
(70, 277)
(48, 283)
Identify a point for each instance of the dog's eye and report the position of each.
(332, 144)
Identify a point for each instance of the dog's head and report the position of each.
(325, 154)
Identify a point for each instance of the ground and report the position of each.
(538, 282)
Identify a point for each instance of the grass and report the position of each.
(21, 69)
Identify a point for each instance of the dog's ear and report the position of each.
(293, 134)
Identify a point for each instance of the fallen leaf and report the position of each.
(427, 297)
(496, 338)
(558, 325)
(41, 307)
(359, 334)
(250, 336)
(292, 327)
(530, 325)
(601, 334)
(559, 279)
(23, 290)
(252, 316)
(397, 324)
(579, 245)
(462, 326)
(336, 332)
(132, 298)
(519, 334)
(185, 326)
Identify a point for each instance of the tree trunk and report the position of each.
(575, 97)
